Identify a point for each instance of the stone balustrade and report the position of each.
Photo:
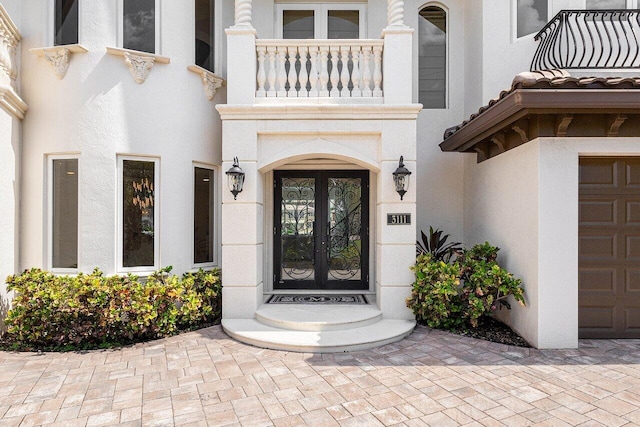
(319, 68)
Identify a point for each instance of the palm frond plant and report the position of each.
(436, 245)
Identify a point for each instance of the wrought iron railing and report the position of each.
(589, 39)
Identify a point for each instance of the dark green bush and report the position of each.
(92, 310)
(446, 295)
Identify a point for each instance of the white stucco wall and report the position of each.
(98, 112)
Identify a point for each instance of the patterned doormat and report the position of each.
(317, 299)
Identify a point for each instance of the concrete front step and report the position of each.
(309, 317)
(251, 331)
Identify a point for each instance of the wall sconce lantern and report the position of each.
(235, 178)
(401, 177)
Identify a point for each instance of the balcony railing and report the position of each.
(319, 68)
(589, 39)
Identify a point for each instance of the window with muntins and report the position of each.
(432, 61)
(139, 25)
(139, 217)
(203, 202)
(205, 34)
(532, 16)
(66, 22)
(321, 21)
(64, 213)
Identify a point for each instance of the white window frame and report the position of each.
(50, 39)
(321, 16)
(49, 212)
(217, 223)
(158, 17)
(156, 214)
(551, 12)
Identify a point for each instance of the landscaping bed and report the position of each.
(490, 329)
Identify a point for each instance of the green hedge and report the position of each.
(93, 310)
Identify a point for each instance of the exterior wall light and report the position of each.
(401, 177)
(235, 178)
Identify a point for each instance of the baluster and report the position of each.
(262, 77)
(282, 72)
(324, 72)
(344, 73)
(271, 75)
(377, 71)
(314, 55)
(291, 76)
(366, 74)
(302, 76)
(355, 73)
(334, 71)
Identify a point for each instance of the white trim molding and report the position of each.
(211, 81)
(319, 111)
(59, 56)
(11, 102)
(139, 63)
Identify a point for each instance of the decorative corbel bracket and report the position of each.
(59, 56)
(615, 123)
(210, 81)
(562, 124)
(139, 63)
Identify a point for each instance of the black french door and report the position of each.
(321, 224)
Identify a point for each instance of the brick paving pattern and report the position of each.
(431, 378)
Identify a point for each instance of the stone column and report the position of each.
(242, 224)
(395, 246)
(397, 65)
(241, 56)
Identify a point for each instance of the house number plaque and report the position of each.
(399, 219)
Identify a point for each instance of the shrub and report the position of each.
(91, 310)
(446, 295)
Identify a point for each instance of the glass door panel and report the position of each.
(298, 24)
(344, 229)
(343, 24)
(297, 229)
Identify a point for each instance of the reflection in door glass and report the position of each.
(344, 24)
(297, 221)
(345, 229)
(298, 24)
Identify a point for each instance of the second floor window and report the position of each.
(66, 22)
(532, 16)
(321, 21)
(432, 61)
(606, 4)
(204, 34)
(139, 25)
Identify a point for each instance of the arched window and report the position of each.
(432, 74)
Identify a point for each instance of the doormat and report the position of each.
(317, 299)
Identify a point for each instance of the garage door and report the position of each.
(609, 257)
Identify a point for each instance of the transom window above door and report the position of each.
(321, 21)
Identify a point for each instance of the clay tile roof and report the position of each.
(551, 79)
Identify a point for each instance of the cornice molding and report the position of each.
(59, 56)
(319, 112)
(11, 102)
(210, 81)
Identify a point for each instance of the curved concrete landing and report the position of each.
(309, 317)
(251, 331)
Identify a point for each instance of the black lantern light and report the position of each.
(401, 177)
(235, 178)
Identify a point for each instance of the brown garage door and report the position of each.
(609, 264)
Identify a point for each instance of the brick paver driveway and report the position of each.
(430, 378)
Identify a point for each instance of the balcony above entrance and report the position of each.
(589, 40)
